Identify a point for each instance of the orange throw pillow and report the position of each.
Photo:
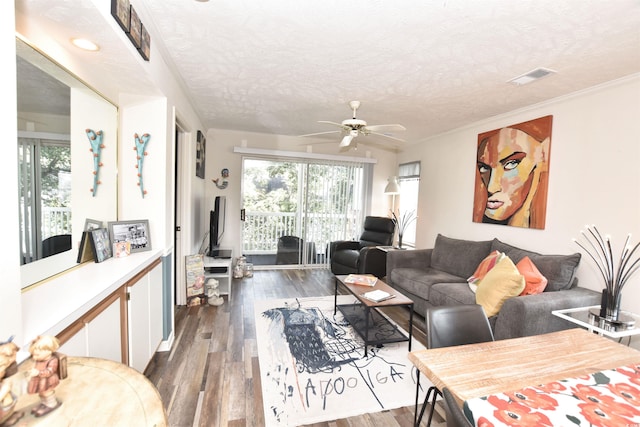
(535, 282)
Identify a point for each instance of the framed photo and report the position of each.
(92, 224)
(201, 145)
(145, 44)
(135, 28)
(120, 10)
(100, 244)
(134, 232)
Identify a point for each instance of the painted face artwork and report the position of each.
(508, 162)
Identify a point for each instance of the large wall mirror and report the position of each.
(62, 182)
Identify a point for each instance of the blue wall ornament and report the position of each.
(95, 139)
(140, 147)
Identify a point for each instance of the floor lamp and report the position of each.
(392, 188)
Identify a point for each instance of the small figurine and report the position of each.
(222, 185)
(44, 375)
(8, 399)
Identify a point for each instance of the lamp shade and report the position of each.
(393, 187)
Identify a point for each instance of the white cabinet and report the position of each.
(144, 315)
(98, 332)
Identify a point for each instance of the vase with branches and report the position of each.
(402, 221)
(615, 274)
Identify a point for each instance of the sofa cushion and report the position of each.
(458, 257)
(502, 282)
(558, 269)
(534, 281)
(483, 268)
(418, 281)
(451, 294)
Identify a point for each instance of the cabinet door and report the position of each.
(138, 311)
(98, 333)
(103, 334)
(155, 309)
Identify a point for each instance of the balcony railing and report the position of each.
(261, 230)
(55, 221)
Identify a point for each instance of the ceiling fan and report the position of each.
(353, 127)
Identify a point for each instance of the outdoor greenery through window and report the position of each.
(315, 202)
(45, 194)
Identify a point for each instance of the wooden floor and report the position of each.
(211, 377)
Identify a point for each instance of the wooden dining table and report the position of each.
(477, 370)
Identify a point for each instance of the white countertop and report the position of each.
(53, 305)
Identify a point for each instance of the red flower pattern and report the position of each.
(603, 399)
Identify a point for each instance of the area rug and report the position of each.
(313, 367)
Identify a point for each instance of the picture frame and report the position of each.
(135, 232)
(92, 224)
(135, 28)
(121, 12)
(201, 145)
(101, 244)
(145, 44)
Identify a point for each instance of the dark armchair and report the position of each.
(361, 257)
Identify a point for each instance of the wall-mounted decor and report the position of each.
(140, 147)
(135, 28)
(201, 146)
(120, 10)
(512, 174)
(95, 139)
(145, 44)
(127, 17)
(135, 232)
(224, 183)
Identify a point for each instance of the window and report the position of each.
(409, 179)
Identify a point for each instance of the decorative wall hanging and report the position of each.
(512, 174)
(201, 147)
(135, 28)
(95, 139)
(222, 185)
(128, 19)
(140, 147)
(120, 10)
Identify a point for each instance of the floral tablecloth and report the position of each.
(608, 398)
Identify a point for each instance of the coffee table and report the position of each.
(374, 327)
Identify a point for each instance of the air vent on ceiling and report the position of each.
(531, 76)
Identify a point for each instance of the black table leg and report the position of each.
(410, 324)
(335, 297)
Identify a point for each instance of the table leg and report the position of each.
(335, 297)
(410, 324)
(415, 412)
(366, 330)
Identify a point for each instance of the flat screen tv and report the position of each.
(217, 218)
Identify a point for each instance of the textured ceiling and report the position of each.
(280, 66)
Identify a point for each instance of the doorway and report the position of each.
(293, 208)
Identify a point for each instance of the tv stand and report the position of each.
(220, 268)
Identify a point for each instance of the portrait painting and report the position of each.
(512, 174)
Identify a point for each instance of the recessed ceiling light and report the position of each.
(531, 76)
(85, 44)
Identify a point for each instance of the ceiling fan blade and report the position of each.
(386, 128)
(340, 125)
(386, 136)
(320, 133)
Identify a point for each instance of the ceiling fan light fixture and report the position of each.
(346, 141)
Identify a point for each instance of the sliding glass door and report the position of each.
(294, 208)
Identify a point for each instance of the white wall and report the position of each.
(594, 178)
(220, 155)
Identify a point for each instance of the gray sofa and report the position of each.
(437, 276)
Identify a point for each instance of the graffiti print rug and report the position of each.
(313, 367)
